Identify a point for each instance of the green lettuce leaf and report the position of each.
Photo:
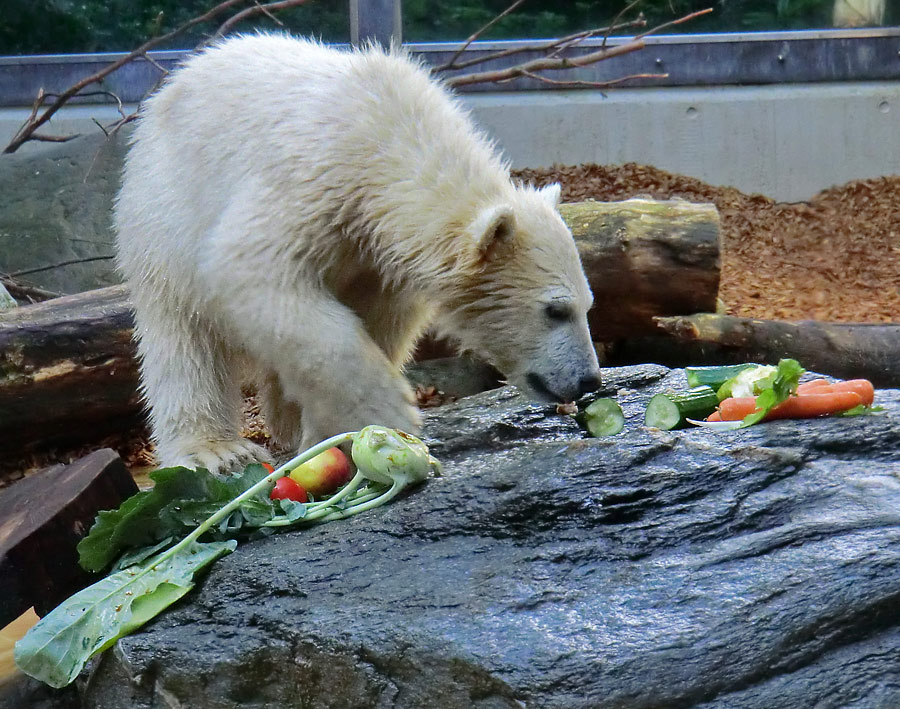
(774, 389)
(56, 649)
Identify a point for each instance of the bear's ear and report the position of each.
(551, 193)
(493, 227)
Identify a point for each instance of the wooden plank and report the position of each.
(42, 519)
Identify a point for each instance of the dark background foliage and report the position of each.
(60, 26)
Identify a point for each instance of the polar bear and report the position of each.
(302, 214)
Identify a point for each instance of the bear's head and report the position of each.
(525, 304)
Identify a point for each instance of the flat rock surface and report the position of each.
(757, 568)
(56, 213)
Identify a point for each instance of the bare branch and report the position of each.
(257, 9)
(555, 63)
(545, 64)
(22, 290)
(27, 131)
(593, 84)
(545, 47)
(160, 67)
(100, 126)
(70, 262)
(619, 16)
(672, 23)
(268, 14)
(484, 28)
(44, 138)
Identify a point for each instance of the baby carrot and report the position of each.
(798, 407)
(809, 387)
(863, 387)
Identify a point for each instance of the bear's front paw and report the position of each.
(216, 456)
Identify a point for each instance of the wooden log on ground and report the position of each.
(844, 350)
(42, 519)
(67, 370)
(646, 258)
(67, 366)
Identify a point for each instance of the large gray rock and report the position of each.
(56, 208)
(758, 568)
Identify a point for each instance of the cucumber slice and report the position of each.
(714, 376)
(669, 410)
(603, 417)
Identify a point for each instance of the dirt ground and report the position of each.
(835, 258)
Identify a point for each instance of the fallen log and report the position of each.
(645, 258)
(844, 350)
(44, 517)
(68, 370)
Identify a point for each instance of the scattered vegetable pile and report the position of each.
(158, 540)
(736, 396)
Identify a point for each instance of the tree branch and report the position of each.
(556, 63)
(32, 293)
(27, 131)
(545, 47)
(50, 267)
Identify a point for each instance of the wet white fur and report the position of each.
(302, 214)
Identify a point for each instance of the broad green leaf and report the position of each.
(56, 649)
(293, 510)
(180, 499)
(136, 556)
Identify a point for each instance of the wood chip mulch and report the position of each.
(834, 258)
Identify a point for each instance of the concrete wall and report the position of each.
(787, 142)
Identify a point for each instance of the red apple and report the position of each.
(287, 489)
(323, 474)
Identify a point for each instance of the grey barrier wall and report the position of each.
(783, 114)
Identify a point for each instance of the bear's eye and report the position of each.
(558, 312)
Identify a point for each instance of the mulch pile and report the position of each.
(835, 258)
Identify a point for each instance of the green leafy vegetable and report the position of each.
(180, 499)
(774, 388)
(56, 649)
(58, 646)
(861, 410)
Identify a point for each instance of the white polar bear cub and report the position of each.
(308, 212)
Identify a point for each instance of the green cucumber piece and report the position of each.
(603, 417)
(714, 376)
(669, 410)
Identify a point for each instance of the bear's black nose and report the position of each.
(589, 384)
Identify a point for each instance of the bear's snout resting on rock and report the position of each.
(298, 215)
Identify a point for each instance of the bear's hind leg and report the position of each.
(282, 416)
(189, 379)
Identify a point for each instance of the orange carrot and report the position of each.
(863, 387)
(809, 387)
(714, 416)
(796, 407)
(268, 466)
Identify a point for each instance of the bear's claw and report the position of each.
(219, 456)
